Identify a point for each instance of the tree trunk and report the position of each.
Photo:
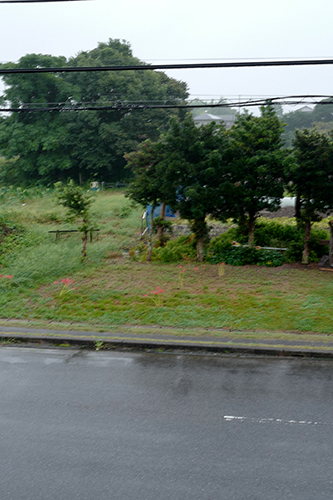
(84, 239)
(251, 230)
(298, 213)
(150, 241)
(200, 249)
(200, 230)
(160, 230)
(306, 251)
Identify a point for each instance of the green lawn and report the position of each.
(109, 288)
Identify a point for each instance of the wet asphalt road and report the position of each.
(106, 425)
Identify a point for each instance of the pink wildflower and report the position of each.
(10, 276)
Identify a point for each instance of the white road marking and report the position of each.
(233, 418)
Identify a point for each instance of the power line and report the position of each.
(131, 106)
(37, 1)
(143, 67)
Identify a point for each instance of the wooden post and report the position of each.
(330, 256)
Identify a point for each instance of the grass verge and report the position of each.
(110, 291)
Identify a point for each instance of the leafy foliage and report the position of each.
(320, 117)
(255, 175)
(240, 256)
(311, 179)
(78, 203)
(195, 162)
(60, 145)
(176, 250)
(268, 233)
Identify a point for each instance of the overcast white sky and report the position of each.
(183, 30)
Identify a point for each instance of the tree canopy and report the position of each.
(207, 170)
(311, 179)
(183, 169)
(320, 117)
(255, 175)
(56, 145)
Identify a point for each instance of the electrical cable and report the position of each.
(37, 1)
(143, 67)
(143, 105)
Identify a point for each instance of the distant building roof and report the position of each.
(305, 109)
(208, 118)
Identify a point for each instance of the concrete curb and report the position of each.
(160, 346)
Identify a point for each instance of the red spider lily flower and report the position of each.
(222, 263)
(1, 275)
(196, 268)
(10, 276)
(146, 295)
(180, 267)
(55, 282)
(67, 281)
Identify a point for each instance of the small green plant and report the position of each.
(181, 272)
(157, 297)
(66, 286)
(6, 341)
(6, 281)
(221, 268)
(161, 228)
(99, 345)
(78, 202)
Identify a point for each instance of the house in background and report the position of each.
(305, 109)
(206, 118)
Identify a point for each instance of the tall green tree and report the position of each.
(311, 179)
(255, 176)
(196, 163)
(184, 169)
(149, 185)
(60, 145)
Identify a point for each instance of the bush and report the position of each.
(268, 233)
(276, 233)
(240, 256)
(176, 250)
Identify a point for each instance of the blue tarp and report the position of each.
(157, 212)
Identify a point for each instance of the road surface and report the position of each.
(105, 425)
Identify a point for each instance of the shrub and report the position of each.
(176, 250)
(240, 256)
(276, 233)
(268, 233)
